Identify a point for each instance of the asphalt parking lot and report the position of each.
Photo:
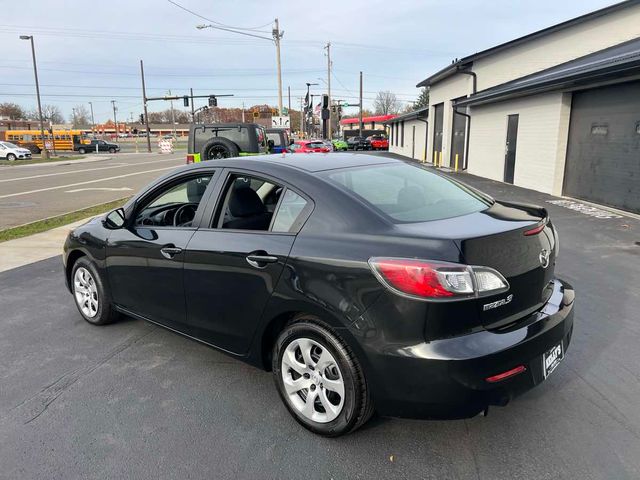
(132, 400)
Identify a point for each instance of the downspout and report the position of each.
(468, 133)
(426, 136)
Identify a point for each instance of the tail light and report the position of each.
(190, 159)
(430, 280)
(537, 229)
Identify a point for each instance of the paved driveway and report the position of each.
(135, 401)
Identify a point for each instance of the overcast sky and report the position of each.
(90, 50)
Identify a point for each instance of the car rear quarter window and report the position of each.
(289, 211)
(408, 193)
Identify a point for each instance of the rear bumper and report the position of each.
(447, 378)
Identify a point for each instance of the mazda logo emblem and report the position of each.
(544, 258)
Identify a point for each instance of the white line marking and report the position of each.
(105, 189)
(84, 183)
(85, 170)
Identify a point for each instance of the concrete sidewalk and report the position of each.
(26, 250)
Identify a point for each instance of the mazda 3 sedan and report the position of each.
(365, 284)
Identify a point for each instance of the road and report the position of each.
(132, 400)
(34, 192)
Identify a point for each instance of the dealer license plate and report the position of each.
(551, 359)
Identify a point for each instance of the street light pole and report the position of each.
(93, 122)
(115, 120)
(45, 152)
(306, 108)
(328, 47)
(360, 115)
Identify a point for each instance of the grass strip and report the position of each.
(59, 220)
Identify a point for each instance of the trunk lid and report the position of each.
(522, 253)
(495, 238)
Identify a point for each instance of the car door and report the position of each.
(145, 259)
(232, 267)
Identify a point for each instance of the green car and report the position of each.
(339, 144)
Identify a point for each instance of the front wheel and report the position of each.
(82, 150)
(90, 293)
(112, 150)
(319, 379)
(11, 157)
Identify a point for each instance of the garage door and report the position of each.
(603, 156)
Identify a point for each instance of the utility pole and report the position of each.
(193, 111)
(301, 117)
(328, 47)
(45, 152)
(277, 35)
(144, 102)
(242, 112)
(73, 111)
(173, 116)
(115, 120)
(360, 115)
(289, 93)
(93, 122)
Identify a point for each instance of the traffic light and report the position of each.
(142, 118)
(325, 101)
(186, 100)
(213, 101)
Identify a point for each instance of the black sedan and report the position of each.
(364, 283)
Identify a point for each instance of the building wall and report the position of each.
(527, 58)
(559, 47)
(543, 128)
(409, 147)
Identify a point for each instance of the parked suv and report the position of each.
(358, 143)
(97, 146)
(13, 152)
(225, 140)
(280, 138)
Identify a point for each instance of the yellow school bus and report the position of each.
(60, 140)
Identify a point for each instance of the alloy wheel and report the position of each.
(312, 380)
(86, 292)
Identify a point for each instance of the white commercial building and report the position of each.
(557, 110)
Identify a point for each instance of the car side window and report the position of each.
(289, 212)
(248, 203)
(176, 204)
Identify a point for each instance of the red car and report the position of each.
(379, 142)
(309, 146)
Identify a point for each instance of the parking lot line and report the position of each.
(85, 170)
(58, 187)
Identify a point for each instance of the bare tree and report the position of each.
(386, 103)
(50, 113)
(81, 117)
(12, 110)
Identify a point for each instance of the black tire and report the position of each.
(357, 403)
(112, 150)
(11, 157)
(82, 150)
(219, 147)
(105, 312)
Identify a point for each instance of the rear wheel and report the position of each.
(112, 150)
(11, 157)
(90, 293)
(219, 148)
(319, 379)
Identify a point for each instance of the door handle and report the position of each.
(260, 261)
(170, 251)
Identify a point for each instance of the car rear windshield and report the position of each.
(408, 193)
(315, 144)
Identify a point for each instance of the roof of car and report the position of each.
(309, 163)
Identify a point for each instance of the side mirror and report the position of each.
(114, 219)
(270, 144)
(291, 142)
